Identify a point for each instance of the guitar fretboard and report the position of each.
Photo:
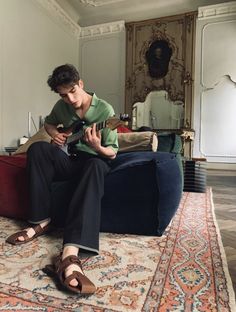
(101, 125)
(78, 135)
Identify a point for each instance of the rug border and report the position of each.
(232, 302)
(222, 254)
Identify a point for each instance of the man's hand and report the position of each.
(60, 138)
(93, 137)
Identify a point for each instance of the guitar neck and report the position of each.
(101, 125)
(78, 135)
(75, 137)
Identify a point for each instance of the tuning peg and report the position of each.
(124, 117)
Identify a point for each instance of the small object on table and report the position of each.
(10, 149)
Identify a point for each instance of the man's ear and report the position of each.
(81, 84)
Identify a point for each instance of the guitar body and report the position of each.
(76, 127)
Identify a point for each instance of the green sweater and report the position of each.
(99, 110)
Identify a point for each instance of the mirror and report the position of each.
(158, 112)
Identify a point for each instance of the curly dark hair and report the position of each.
(63, 75)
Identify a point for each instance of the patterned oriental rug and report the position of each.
(184, 270)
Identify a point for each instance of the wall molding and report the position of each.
(102, 29)
(96, 3)
(56, 11)
(217, 10)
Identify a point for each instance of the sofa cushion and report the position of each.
(14, 187)
(128, 142)
(172, 142)
(138, 141)
(41, 135)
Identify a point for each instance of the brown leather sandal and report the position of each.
(85, 286)
(13, 239)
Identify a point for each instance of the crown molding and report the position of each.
(102, 29)
(96, 3)
(217, 10)
(56, 11)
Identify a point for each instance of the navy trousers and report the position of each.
(47, 163)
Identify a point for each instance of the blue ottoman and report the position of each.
(142, 193)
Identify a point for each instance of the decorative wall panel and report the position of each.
(104, 56)
(215, 84)
(160, 57)
(218, 111)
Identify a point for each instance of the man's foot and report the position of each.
(28, 234)
(68, 269)
(71, 251)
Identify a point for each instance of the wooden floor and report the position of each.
(223, 185)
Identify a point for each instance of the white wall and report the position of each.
(32, 44)
(102, 62)
(215, 84)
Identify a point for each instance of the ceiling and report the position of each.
(92, 12)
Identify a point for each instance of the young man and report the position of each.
(89, 164)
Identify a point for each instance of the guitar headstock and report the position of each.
(115, 122)
(124, 117)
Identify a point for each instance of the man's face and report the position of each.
(72, 94)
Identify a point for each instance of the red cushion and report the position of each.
(14, 195)
(123, 129)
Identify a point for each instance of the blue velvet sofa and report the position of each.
(142, 190)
